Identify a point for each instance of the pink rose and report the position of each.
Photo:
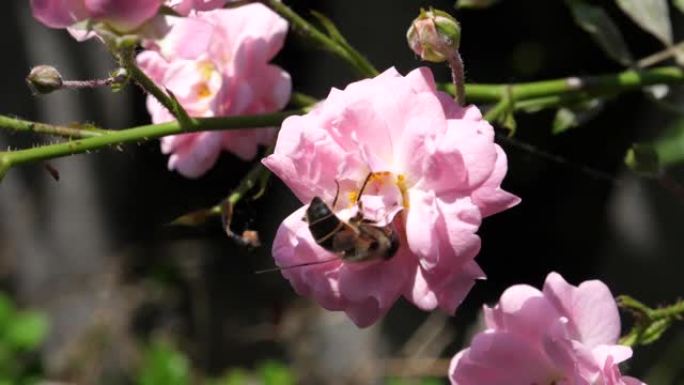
(122, 15)
(434, 162)
(562, 335)
(217, 64)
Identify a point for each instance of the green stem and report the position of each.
(458, 78)
(301, 100)
(307, 30)
(547, 94)
(167, 99)
(591, 85)
(137, 134)
(298, 100)
(649, 323)
(19, 125)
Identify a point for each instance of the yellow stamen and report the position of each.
(206, 69)
(401, 183)
(352, 196)
(203, 90)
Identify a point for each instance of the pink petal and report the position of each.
(59, 13)
(123, 14)
(306, 158)
(500, 358)
(490, 197)
(446, 292)
(197, 155)
(591, 309)
(188, 38)
(292, 246)
(245, 143)
(475, 143)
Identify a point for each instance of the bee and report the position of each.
(356, 240)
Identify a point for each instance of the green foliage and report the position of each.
(21, 333)
(649, 323)
(164, 365)
(268, 373)
(679, 4)
(595, 21)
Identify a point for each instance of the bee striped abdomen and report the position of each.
(323, 223)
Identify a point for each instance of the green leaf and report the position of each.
(27, 330)
(679, 4)
(6, 312)
(274, 373)
(475, 4)
(163, 365)
(330, 27)
(653, 16)
(594, 20)
(654, 331)
(642, 158)
(575, 116)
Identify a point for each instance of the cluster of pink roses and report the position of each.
(433, 172)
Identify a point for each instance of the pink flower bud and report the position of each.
(44, 79)
(434, 36)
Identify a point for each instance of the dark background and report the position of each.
(94, 250)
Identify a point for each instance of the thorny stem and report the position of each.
(458, 78)
(94, 83)
(137, 134)
(543, 91)
(165, 98)
(19, 125)
(307, 30)
(593, 86)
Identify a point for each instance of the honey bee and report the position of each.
(356, 240)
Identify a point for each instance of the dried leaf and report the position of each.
(653, 16)
(600, 26)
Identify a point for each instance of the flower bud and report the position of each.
(434, 35)
(44, 79)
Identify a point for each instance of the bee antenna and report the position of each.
(273, 269)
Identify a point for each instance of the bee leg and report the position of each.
(337, 194)
(363, 186)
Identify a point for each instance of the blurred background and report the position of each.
(99, 289)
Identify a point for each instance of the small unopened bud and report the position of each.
(44, 79)
(434, 35)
